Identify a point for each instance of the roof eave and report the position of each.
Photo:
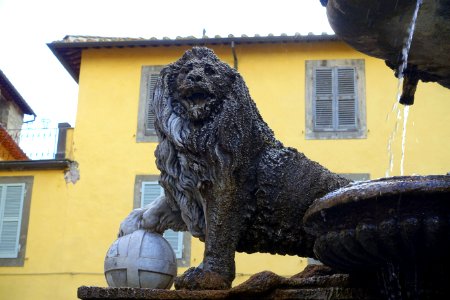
(18, 99)
(59, 47)
(64, 62)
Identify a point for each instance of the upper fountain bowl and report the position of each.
(379, 28)
(391, 220)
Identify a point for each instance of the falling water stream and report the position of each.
(395, 107)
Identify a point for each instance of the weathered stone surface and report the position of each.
(222, 166)
(316, 282)
(313, 293)
(396, 227)
(379, 28)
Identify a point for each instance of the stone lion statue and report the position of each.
(226, 178)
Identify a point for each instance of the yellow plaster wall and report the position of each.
(72, 226)
(50, 267)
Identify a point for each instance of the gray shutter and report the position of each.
(323, 98)
(149, 192)
(11, 203)
(150, 115)
(346, 98)
(175, 239)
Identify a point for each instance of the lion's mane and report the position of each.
(186, 148)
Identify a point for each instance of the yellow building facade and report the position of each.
(71, 226)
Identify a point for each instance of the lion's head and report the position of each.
(199, 82)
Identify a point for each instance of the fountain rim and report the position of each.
(363, 191)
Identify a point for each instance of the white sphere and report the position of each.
(141, 259)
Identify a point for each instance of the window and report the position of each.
(145, 129)
(335, 99)
(15, 198)
(147, 190)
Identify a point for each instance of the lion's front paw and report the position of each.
(132, 222)
(199, 279)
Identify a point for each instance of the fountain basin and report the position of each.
(369, 224)
(397, 228)
(379, 28)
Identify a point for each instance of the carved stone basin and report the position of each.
(379, 28)
(397, 227)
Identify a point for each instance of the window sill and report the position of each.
(335, 135)
(146, 138)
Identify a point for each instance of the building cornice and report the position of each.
(26, 165)
(68, 51)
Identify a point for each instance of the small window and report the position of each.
(149, 192)
(146, 190)
(15, 196)
(146, 118)
(11, 204)
(335, 99)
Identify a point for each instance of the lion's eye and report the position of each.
(209, 70)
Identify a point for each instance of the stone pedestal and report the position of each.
(91, 293)
(316, 282)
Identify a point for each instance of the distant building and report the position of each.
(12, 106)
(12, 110)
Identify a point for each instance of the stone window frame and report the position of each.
(143, 133)
(185, 259)
(19, 261)
(361, 123)
(356, 176)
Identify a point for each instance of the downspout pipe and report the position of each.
(233, 50)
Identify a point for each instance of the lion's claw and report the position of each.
(199, 279)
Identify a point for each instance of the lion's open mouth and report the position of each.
(198, 99)
(196, 104)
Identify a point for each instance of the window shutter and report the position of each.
(11, 203)
(152, 78)
(149, 192)
(175, 239)
(346, 98)
(323, 98)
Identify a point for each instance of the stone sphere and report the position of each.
(140, 259)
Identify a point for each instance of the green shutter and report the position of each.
(149, 192)
(152, 78)
(11, 204)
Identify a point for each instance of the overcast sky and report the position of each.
(26, 26)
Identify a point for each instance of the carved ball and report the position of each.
(140, 259)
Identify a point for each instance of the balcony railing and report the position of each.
(41, 143)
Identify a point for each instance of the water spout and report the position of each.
(408, 73)
(410, 81)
